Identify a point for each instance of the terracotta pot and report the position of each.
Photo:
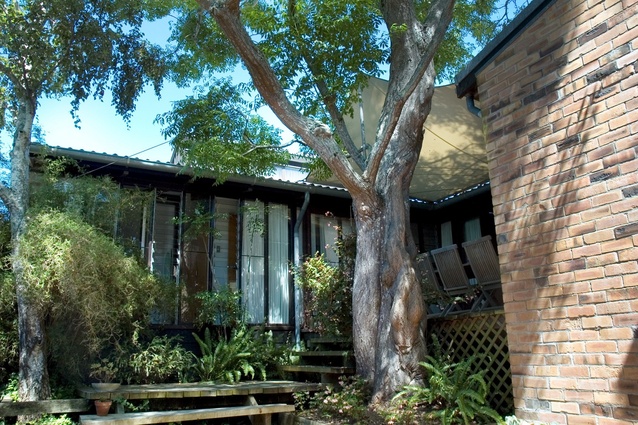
(102, 407)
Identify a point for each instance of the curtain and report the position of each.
(472, 229)
(278, 259)
(252, 264)
(446, 233)
(324, 235)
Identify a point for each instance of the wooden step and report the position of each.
(329, 374)
(142, 418)
(329, 342)
(324, 353)
(17, 408)
(327, 357)
(344, 370)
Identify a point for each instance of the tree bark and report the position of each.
(33, 372)
(388, 307)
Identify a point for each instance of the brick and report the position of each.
(581, 311)
(611, 398)
(596, 322)
(613, 308)
(593, 384)
(617, 333)
(600, 346)
(614, 282)
(592, 298)
(603, 259)
(569, 407)
(624, 231)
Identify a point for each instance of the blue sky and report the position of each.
(102, 131)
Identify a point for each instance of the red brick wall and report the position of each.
(560, 106)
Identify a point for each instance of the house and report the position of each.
(558, 92)
(263, 225)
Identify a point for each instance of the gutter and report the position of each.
(163, 167)
(466, 79)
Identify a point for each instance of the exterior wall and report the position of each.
(561, 109)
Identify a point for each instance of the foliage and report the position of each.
(163, 359)
(53, 420)
(93, 295)
(8, 308)
(10, 388)
(99, 201)
(77, 49)
(248, 352)
(132, 406)
(8, 326)
(221, 307)
(453, 393)
(328, 290)
(105, 370)
(223, 360)
(322, 52)
(220, 123)
(347, 401)
(61, 48)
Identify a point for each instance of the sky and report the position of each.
(101, 130)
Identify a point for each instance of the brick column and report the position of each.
(560, 106)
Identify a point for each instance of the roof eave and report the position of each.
(167, 168)
(466, 79)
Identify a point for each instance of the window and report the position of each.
(324, 232)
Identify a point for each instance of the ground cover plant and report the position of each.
(453, 393)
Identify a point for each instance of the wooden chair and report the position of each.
(452, 273)
(431, 288)
(484, 263)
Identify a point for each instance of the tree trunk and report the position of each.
(388, 308)
(33, 373)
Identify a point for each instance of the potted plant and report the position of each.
(102, 407)
(105, 371)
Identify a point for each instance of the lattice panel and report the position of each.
(483, 335)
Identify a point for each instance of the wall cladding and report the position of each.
(561, 109)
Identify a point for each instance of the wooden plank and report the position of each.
(326, 353)
(142, 418)
(43, 406)
(318, 369)
(194, 390)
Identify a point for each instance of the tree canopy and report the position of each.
(308, 61)
(321, 52)
(53, 48)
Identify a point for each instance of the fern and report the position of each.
(454, 394)
(228, 361)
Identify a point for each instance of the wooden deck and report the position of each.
(171, 416)
(199, 389)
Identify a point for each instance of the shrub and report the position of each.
(92, 294)
(161, 360)
(453, 393)
(221, 307)
(226, 360)
(328, 290)
(8, 326)
(245, 354)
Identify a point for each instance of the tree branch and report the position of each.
(336, 116)
(4, 69)
(327, 97)
(258, 147)
(429, 34)
(7, 197)
(316, 134)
